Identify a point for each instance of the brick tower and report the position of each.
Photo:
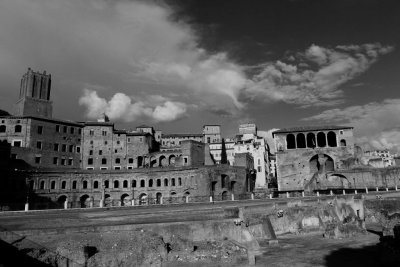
(34, 95)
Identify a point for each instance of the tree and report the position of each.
(224, 157)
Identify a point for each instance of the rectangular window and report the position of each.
(55, 147)
(140, 139)
(55, 160)
(57, 128)
(71, 148)
(91, 142)
(259, 168)
(40, 129)
(13, 156)
(100, 152)
(78, 149)
(104, 133)
(65, 129)
(72, 130)
(90, 152)
(80, 131)
(64, 148)
(91, 132)
(38, 159)
(118, 142)
(89, 168)
(130, 167)
(17, 143)
(130, 160)
(70, 162)
(129, 140)
(90, 161)
(117, 167)
(103, 168)
(63, 162)
(39, 145)
(115, 151)
(105, 142)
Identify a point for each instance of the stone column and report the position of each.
(66, 204)
(26, 206)
(233, 197)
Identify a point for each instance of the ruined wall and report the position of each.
(296, 166)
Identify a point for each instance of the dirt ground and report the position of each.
(314, 250)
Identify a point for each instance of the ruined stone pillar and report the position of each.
(355, 191)
(161, 200)
(66, 204)
(302, 194)
(187, 199)
(133, 202)
(211, 199)
(101, 203)
(344, 192)
(366, 190)
(26, 206)
(252, 196)
(233, 197)
(331, 193)
(317, 193)
(287, 194)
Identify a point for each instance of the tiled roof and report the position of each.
(45, 119)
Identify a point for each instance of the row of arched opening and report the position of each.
(166, 182)
(311, 140)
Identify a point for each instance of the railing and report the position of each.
(226, 196)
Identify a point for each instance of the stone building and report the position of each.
(170, 142)
(212, 134)
(105, 148)
(35, 137)
(306, 156)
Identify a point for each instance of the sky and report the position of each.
(180, 64)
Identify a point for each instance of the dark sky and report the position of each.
(179, 64)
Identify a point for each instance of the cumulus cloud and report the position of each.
(137, 46)
(376, 124)
(120, 106)
(316, 78)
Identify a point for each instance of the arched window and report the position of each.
(332, 139)
(116, 184)
(301, 140)
(290, 141)
(106, 184)
(85, 185)
(180, 181)
(63, 184)
(103, 161)
(165, 182)
(142, 184)
(2, 128)
(74, 183)
(150, 182)
(96, 184)
(158, 182)
(133, 183)
(41, 184)
(53, 185)
(321, 139)
(173, 182)
(18, 128)
(125, 184)
(311, 140)
(342, 142)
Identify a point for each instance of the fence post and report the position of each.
(270, 196)
(252, 196)
(187, 199)
(66, 204)
(396, 188)
(302, 194)
(355, 191)
(233, 197)
(287, 194)
(377, 189)
(133, 202)
(344, 192)
(317, 193)
(331, 193)
(387, 189)
(366, 190)
(26, 206)
(211, 199)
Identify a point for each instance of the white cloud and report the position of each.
(307, 85)
(120, 107)
(376, 124)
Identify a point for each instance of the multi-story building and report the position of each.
(216, 150)
(36, 138)
(171, 142)
(212, 134)
(380, 158)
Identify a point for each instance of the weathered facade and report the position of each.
(307, 155)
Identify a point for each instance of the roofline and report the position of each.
(45, 119)
(317, 128)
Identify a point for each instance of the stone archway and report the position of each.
(224, 195)
(125, 201)
(143, 199)
(85, 201)
(162, 161)
(158, 198)
(107, 200)
(171, 160)
(61, 201)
